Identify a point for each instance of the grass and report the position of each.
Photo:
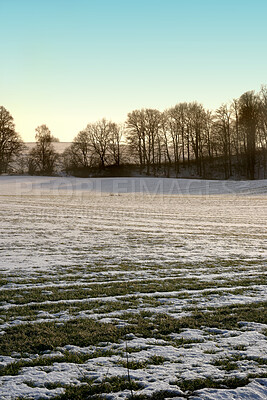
(66, 357)
(157, 395)
(227, 317)
(182, 342)
(93, 290)
(39, 337)
(30, 311)
(134, 297)
(191, 385)
(90, 389)
(259, 360)
(156, 293)
(136, 364)
(227, 364)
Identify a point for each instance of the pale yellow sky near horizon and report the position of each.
(66, 64)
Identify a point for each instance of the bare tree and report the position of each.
(263, 128)
(249, 117)
(11, 144)
(236, 130)
(144, 136)
(104, 136)
(136, 135)
(114, 147)
(223, 127)
(43, 157)
(177, 125)
(166, 143)
(79, 153)
(196, 128)
(99, 144)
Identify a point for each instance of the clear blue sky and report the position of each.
(66, 63)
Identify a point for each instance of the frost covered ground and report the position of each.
(132, 288)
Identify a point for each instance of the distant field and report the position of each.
(59, 147)
(132, 288)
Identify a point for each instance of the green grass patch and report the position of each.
(191, 385)
(182, 342)
(91, 390)
(136, 364)
(39, 337)
(227, 317)
(30, 311)
(79, 292)
(227, 364)
(35, 338)
(66, 357)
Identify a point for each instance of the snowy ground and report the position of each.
(169, 274)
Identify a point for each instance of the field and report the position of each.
(132, 288)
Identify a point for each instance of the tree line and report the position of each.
(231, 140)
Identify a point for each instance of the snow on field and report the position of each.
(29, 185)
(113, 249)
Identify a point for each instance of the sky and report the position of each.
(67, 63)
